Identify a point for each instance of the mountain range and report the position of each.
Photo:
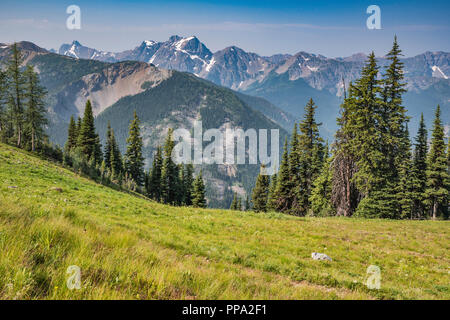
(286, 80)
(162, 99)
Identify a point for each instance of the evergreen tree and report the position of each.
(295, 170)
(134, 161)
(234, 203)
(116, 161)
(419, 171)
(344, 194)
(247, 203)
(239, 204)
(198, 194)
(311, 157)
(98, 154)
(86, 135)
(16, 85)
(169, 173)
(271, 198)
(405, 187)
(71, 135)
(3, 103)
(35, 112)
(79, 125)
(283, 190)
(364, 115)
(108, 146)
(155, 176)
(147, 181)
(437, 191)
(261, 191)
(188, 181)
(180, 190)
(392, 123)
(321, 193)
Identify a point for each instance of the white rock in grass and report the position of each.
(320, 256)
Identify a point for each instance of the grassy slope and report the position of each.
(131, 248)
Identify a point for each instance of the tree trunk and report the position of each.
(19, 136)
(32, 139)
(435, 206)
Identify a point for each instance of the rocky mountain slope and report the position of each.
(162, 98)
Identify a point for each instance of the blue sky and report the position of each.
(331, 28)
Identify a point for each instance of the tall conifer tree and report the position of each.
(16, 85)
(155, 176)
(35, 113)
(284, 186)
(311, 156)
(437, 191)
(134, 160)
(198, 198)
(3, 103)
(420, 170)
(169, 173)
(71, 135)
(271, 198)
(234, 202)
(188, 181)
(86, 135)
(261, 191)
(321, 192)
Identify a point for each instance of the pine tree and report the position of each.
(419, 170)
(344, 194)
(188, 180)
(169, 173)
(234, 203)
(295, 170)
(247, 203)
(79, 125)
(3, 103)
(180, 190)
(155, 177)
(239, 204)
(261, 191)
(134, 161)
(437, 191)
(321, 193)
(71, 135)
(311, 156)
(35, 113)
(86, 135)
(271, 198)
(364, 116)
(16, 85)
(98, 154)
(392, 122)
(116, 161)
(405, 187)
(108, 146)
(198, 194)
(284, 186)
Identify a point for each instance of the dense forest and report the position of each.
(372, 169)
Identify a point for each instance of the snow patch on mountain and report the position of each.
(313, 69)
(437, 72)
(210, 64)
(72, 51)
(149, 43)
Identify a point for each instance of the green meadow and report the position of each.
(128, 247)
